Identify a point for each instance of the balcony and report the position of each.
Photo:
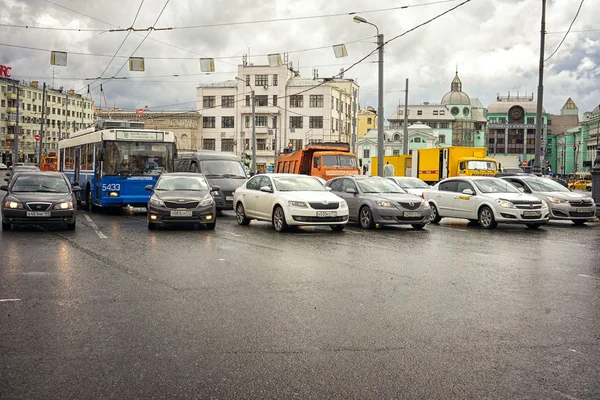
(11, 96)
(12, 109)
(261, 110)
(11, 123)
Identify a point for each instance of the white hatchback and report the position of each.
(288, 199)
(485, 200)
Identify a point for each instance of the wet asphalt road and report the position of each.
(113, 310)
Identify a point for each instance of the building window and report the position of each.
(261, 144)
(316, 100)
(227, 145)
(3, 103)
(442, 139)
(296, 144)
(275, 79)
(337, 104)
(227, 101)
(417, 140)
(261, 80)
(366, 153)
(247, 100)
(315, 122)
(261, 120)
(29, 108)
(208, 101)
(227, 122)
(247, 80)
(262, 100)
(530, 120)
(247, 121)
(502, 120)
(395, 152)
(442, 112)
(274, 98)
(369, 120)
(435, 112)
(295, 122)
(297, 101)
(274, 119)
(208, 144)
(419, 112)
(208, 122)
(444, 125)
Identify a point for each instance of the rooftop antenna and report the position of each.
(52, 77)
(342, 73)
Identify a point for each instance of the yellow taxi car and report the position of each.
(581, 185)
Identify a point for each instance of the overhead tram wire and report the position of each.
(567, 33)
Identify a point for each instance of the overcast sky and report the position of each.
(495, 44)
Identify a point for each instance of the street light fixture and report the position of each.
(237, 78)
(380, 117)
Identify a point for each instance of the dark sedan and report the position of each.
(17, 169)
(374, 201)
(182, 198)
(39, 198)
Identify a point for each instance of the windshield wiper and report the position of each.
(233, 176)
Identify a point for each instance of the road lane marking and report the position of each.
(588, 276)
(7, 300)
(100, 234)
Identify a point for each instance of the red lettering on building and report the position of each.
(4, 70)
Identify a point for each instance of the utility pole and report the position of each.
(16, 139)
(405, 141)
(39, 155)
(354, 107)
(537, 166)
(274, 118)
(380, 117)
(253, 131)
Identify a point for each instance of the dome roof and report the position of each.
(458, 98)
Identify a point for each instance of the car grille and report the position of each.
(528, 205)
(531, 217)
(408, 206)
(176, 204)
(328, 206)
(581, 203)
(319, 219)
(409, 219)
(36, 206)
(582, 214)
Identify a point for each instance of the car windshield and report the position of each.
(546, 185)
(222, 168)
(21, 168)
(339, 161)
(495, 185)
(186, 183)
(481, 165)
(412, 184)
(137, 158)
(376, 185)
(298, 184)
(39, 184)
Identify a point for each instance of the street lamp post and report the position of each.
(380, 117)
(253, 123)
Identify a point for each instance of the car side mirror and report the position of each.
(351, 190)
(6, 179)
(149, 187)
(522, 190)
(469, 192)
(74, 183)
(215, 189)
(328, 188)
(76, 189)
(267, 189)
(4, 188)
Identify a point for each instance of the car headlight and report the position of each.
(505, 203)
(206, 200)
(66, 205)
(384, 203)
(544, 204)
(343, 204)
(13, 204)
(556, 200)
(300, 204)
(156, 202)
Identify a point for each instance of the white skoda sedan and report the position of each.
(485, 200)
(288, 199)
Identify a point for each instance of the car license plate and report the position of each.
(38, 214)
(228, 198)
(326, 213)
(531, 214)
(582, 210)
(181, 213)
(412, 213)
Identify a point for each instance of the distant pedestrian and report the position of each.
(365, 169)
(388, 170)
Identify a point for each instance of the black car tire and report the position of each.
(486, 218)
(337, 228)
(533, 226)
(579, 222)
(240, 214)
(211, 225)
(435, 217)
(151, 226)
(278, 219)
(89, 205)
(418, 227)
(6, 226)
(365, 218)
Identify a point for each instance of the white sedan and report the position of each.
(411, 185)
(485, 200)
(288, 199)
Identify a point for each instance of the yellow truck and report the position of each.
(402, 164)
(434, 164)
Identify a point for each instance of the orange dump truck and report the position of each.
(325, 160)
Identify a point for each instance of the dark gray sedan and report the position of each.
(374, 200)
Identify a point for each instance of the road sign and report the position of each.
(37, 138)
(140, 112)
(8, 142)
(524, 163)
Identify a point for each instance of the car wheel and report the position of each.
(71, 227)
(240, 215)
(418, 226)
(366, 218)
(279, 222)
(589, 189)
(6, 227)
(533, 226)
(88, 201)
(151, 226)
(337, 228)
(434, 217)
(486, 218)
(212, 225)
(579, 222)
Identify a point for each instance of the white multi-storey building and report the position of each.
(290, 110)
